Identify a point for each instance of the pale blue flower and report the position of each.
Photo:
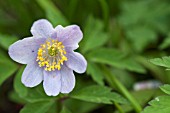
(50, 57)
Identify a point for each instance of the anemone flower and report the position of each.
(50, 57)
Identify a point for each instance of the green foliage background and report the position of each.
(120, 37)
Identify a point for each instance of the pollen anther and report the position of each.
(51, 55)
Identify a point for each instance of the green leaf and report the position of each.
(74, 105)
(37, 107)
(65, 110)
(98, 94)
(166, 43)
(95, 72)
(106, 55)
(164, 61)
(94, 36)
(141, 13)
(166, 88)
(18, 86)
(132, 12)
(13, 96)
(37, 94)
(132, 65)
(53, 13)
(141, 37)
(160, 104)
(115, 58)
(157, 71)
(7, 40)
(7, 68)
(54, 108)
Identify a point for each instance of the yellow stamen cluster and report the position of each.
(51, 55)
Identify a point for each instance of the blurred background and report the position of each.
(120, 35)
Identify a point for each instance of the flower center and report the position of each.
(51, 55)
(52, 51)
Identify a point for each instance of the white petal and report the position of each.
(70, 35)
(42, 29)
(32, 75)
(76, 62)
(25, 51)
(68, 79)
(52, 82)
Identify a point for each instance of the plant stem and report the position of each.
(119, 107)
(58, 105)
(113, 81)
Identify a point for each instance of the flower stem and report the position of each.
(113, 81)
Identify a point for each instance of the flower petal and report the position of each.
(67, 79)
(52, 82)
(42, 29)
(32, 75)
(25, 51)
(76, 62)
(70, 35)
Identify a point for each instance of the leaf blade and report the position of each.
(37, 107)
(98, 94)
